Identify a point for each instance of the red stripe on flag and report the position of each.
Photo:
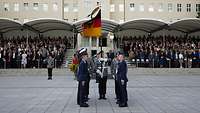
(97, 22)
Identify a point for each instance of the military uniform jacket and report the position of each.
(50, 63)
(98, 64)
(114, 65)
(122, 71)
(83, 73)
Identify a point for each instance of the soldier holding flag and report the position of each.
(102, 72)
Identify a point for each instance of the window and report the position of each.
(75, 19)
(188, 7)
(26, 6)
(104, 42)
(35, 6)
(66, 7)
(16, 7)
(94, 41)
(151, 8)
(55, 6)
(17, 19)
(25, 20)
(45, 7)
(112, 8)
(197, 7)
(121, 21)
(141, 7)
(121, 7)
(6, 7)
(160, 7)
(75, 7)
(170, 7)
(87, 3)
(85, 42)
(132, 7)
(178, 7)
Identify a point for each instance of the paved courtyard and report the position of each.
(148, 93)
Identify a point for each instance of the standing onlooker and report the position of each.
(75, 65)
(24, 59)
(50, 65)
(1, 58)
(151, 59)
(181, 59)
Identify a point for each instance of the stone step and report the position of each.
(68, 58)
(131, 72)
(33, 72)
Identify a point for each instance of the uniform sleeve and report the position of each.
(82, 72)
(123, 71)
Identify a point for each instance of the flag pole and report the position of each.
(101, 55)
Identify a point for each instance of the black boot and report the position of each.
(100, 97)
(123, 105)
(104, 97)
(84, 105)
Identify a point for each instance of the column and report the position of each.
(90, 46)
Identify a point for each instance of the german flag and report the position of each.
(92, 28)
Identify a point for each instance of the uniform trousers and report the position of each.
(123, 97)
(102, 86)
(81, 93)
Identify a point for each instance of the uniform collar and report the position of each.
(84, 60)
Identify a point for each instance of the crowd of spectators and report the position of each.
(32, 52)
(163, 51)
(175, 52)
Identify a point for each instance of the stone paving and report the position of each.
(148, 93)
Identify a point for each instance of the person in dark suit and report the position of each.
(1, 58)
(83, 78)
(122, 81)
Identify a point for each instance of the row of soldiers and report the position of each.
(98, 67)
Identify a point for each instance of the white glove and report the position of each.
(122, 81)
(100, 73)
(113, 76)
(83, 83)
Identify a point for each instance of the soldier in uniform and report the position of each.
(122, 81)
(91, 69)
(114, 67)
(83, 78)
(101, 75)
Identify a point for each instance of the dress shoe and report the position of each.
(126, 104)
(100, 98)
(117, 102)
(104, 97)
(49, 78)
(123, 105)
(84, 105)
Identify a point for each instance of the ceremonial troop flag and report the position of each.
(92, 27)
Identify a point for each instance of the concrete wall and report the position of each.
(30, 14)
(84, 7)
